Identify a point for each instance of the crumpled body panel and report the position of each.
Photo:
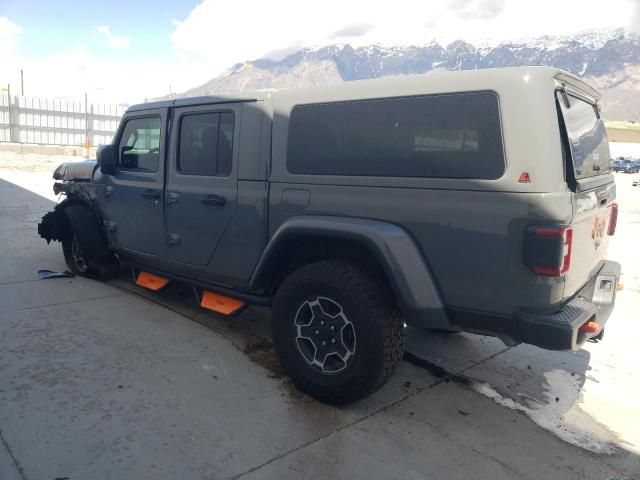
(75, 170)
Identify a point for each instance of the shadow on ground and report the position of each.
(544, 386)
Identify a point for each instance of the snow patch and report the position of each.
(583, 69)
(551, 415)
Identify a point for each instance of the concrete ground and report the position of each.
(108, 381)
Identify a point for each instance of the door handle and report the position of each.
(213, 200)
(152, 194)
(173, 239)
(172, 197)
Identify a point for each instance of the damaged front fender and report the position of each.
(54, 225)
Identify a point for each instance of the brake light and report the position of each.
(547, 250)
(613, 221)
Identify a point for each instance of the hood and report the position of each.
(75, 170)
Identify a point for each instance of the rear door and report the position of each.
(201, 180)
(588, 166)
(132, 200)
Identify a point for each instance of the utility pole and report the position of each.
(21, 82)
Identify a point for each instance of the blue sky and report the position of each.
(68, 47)
(126, 51)
(52, 26)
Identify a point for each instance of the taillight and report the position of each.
(547, 250)
(613, 220)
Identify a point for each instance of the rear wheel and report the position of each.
(337, 331)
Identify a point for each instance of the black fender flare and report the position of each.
(397, 253)
(55, 225)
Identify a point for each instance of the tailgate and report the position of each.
(588, 172)
(592, 218)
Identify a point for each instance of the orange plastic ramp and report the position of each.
(150, 281)
(220, 303)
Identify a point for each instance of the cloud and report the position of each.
(477, 9)
(458, 4)
(353, 30)
(204, 45)
(634, 26)
(9, 33)
(275, 28)
(280, 53)
(72, 72)
(9, 65)
(113, 41)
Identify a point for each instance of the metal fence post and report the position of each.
(14, 119)
(92, 134)
(9, 112)
(86, 127)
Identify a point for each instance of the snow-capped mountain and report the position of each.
(610, 60)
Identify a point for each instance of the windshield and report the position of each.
(587, 137)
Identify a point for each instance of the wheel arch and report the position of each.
(383, 246)
(57, 224)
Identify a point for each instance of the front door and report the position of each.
(132, 199)
(201, 180)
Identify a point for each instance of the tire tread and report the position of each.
(378, 307)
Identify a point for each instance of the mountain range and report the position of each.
(609, 60)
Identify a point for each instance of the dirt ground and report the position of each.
(39, 158)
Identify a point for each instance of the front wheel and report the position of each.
(85, 246)
(337, 331)
(75, 256)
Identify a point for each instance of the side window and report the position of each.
(206, 144)
(430, 136)
(139, 147)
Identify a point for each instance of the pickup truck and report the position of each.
(477, 201)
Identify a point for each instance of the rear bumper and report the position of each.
(560, 330)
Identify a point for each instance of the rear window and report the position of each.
(587, 137)
(440, 136)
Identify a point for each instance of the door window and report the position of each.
(139, 148)
(206, 144)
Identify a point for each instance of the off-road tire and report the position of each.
(85, 234)
(368, 304)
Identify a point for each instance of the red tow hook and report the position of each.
(590, 327)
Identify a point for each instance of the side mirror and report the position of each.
(106, 159)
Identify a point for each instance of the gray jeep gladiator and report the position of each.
(477, 201)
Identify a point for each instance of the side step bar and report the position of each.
(221, 303)
(212, 297)
(151, 281)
